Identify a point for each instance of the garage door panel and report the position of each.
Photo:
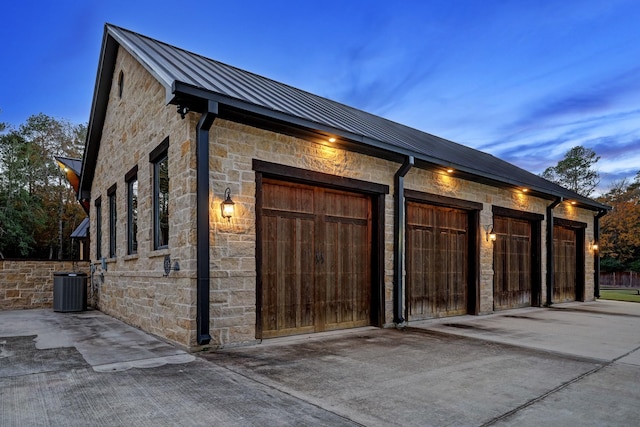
(565, 264)
(437, 261)
(288, 198)
(317, 274)
(288, 273)
(347, 300)
(513, 263)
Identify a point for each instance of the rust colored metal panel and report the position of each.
(316, 259)
(513, 263)
(437, 261)
(565, 264)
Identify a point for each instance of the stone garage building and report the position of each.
(340, 218)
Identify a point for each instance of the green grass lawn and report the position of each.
(620, 294)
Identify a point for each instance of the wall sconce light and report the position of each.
(227, 206)
(594, 246)
(168, 267)
(489, 233)
(182, 110)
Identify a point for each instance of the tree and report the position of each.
(620, 228)
(21, 214)
(576, 171)
(38, 210)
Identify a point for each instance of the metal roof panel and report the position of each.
(171, 65)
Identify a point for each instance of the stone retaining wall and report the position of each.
(29, 283)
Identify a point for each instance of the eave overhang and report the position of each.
(259, 116)
(235, 109)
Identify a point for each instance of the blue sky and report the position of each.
(523, 80)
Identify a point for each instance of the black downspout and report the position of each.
(596, 254)
(202, 221)
(398, 240)
(550, 267)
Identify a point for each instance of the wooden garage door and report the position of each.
(316, 259)
(565, 264)
(512, 263)
(437, 261)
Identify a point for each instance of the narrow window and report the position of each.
(132, 210)
(112, 221)
(159, 158)
(120, 84)
(98, 206)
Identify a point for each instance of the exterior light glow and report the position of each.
(227, 206)
(332, 140)
(449, 170)
(490, 235)
(524, 190)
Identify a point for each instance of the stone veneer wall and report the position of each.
(233, 146)
(132, 287)
(29, 283)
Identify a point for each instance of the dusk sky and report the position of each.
(522, 80)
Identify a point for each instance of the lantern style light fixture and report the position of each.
(227, 205)
(594, 246)
(490, 234)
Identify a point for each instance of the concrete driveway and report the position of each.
(572, 365)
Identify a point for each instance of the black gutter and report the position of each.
(596, 253)
(202, 221)
(550, 269)
(398, 238)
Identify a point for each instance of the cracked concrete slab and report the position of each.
(100, 339)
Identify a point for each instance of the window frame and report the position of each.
(159, 155)
(113, 220)
(131, 178)
(98, 207)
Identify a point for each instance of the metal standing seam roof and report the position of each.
(82, 230)
(74, 164)
(174, 67)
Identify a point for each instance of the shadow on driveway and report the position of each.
(564, 366)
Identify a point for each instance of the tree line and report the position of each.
(39, 211)
(619, 245)
(38, 208)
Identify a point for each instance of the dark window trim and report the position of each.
(159, 151)
(113, 219)
(304, 176)
(131, 177)
(156, 156)
(98, 206)
(120, 84)
(133, 173)
(438, 200)
(513, 213)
